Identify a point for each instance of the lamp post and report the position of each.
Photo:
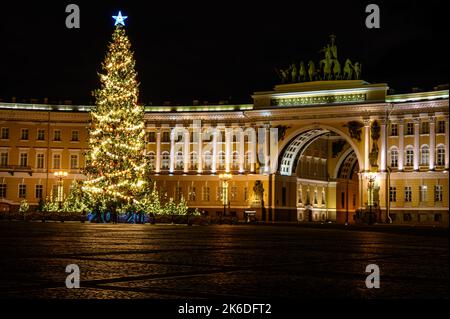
(60, 175)
(224, 178)
(371, 177)
(388, 191)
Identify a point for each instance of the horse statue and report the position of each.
(337, 70)
(293, 73)
(283, 75)
(348, 70)
(302, 72)
(357, 69)
(312, 71)
(326, 68)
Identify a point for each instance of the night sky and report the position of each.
(215, 50)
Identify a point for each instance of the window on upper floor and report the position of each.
(394, 129)
(441, 127)
(25, 134)
(75, 136)
(40, 135)
(5, 133)
(425, 128)
(57, 135)
(410, 128)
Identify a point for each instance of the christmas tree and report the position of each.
(115, 163)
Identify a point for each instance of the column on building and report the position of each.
(186, 150)
(401, 144)
(214, 155)
(199, 146)
(227, 148)
(383, 145)
(446, 144)
(266, 148)
(241, 140)
(172, 150)
(366, 144)
(432, 142)
(416, 143)
(158, 151)
(253, 143)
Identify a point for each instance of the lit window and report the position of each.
(438, 193)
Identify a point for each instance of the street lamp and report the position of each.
(225, 178)
(60, 175)
(371, 177)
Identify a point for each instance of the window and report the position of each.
(235, 161)
(39, 191)
(40, 135)
(205, 194)
(219, 193)
(56, 161)
(425, 155)
(323, 198)
(423, 193)
(221, 160)
(151, 160)
(151, 138)
(392, 194)
(57, 135)
(408, 194)
(438, 193)
(165, 160)
(23, 159)
(394, 157)
(4, 159)
(440, 159)
(315, 197)
(407, 217)
(73, 161)
(245, 193)
(179, 161)
(425, 128)
(75, 136)
(394, 130)
(22, 191)
(441, 127)
(178, 193)
(40, 161)
(2, 190)
(166, 137)
(247, 163)
(437, 217)
(409, 156)
(5, 133)
(25, 133)
(410, 128)
(208, 161)
(193, 161)
(299, 195)
(234, 192)
(192, 193)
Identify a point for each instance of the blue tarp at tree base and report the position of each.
(129, 218)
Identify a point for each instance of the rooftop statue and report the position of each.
(329, 68)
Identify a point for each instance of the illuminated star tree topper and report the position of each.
(119, 19)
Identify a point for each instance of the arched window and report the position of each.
(235, 163)
(424, 155)
(440, 158)
(247, 159)
(208, 161)
(221, 160)
(193, 161)
(179, 163)
(394, 157)
(409, 156)
(165, 159)
(151, 160)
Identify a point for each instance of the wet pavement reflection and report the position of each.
(177, 261)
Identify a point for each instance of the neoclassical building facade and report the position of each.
(312, 151)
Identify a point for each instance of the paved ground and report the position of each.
(145, 261)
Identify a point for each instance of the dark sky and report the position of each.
(215, 50)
